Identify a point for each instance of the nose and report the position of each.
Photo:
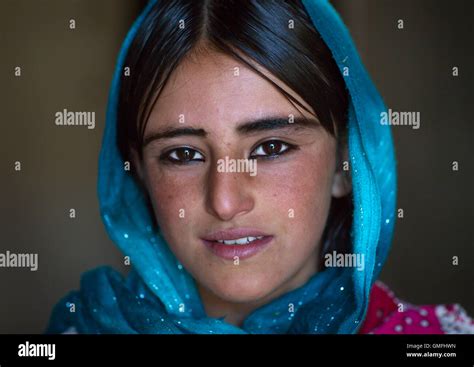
(228, 194)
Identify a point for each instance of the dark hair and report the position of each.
(262, 31)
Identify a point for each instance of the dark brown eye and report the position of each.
(271, 148)
(183, 156)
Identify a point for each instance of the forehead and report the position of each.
(212, 88)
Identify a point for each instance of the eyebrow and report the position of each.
(276, 123)
(246, 128)
(174, 132)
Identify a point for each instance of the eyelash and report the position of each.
(166, 156)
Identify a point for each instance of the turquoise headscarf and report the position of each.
(160, 296)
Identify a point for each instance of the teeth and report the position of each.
(240, 241)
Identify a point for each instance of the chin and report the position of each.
(240, 288)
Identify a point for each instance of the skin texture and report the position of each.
(289, 198)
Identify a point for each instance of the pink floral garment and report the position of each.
(387, 314)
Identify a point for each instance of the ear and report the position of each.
(342, 183)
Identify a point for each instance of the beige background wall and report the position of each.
(63, 68)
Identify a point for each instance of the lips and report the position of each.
(238, 243)
(233, 234)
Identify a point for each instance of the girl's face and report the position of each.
(215, 110)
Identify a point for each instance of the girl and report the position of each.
(293, 245)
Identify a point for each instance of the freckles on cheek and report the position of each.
(301, 186)
(306, 177)
(171, 196)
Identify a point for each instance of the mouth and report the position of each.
(238, 243)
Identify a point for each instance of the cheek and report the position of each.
(300, 192)
(174, 198)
